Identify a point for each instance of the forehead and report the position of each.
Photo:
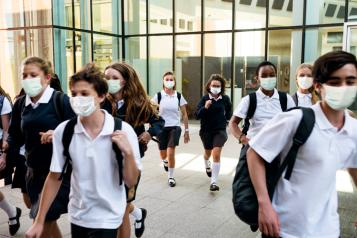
(215, 82)
(31, 68)
(348, 70)
(304, 70)
(82, 85)
(112, 72)
(266, 69)
(169, 76)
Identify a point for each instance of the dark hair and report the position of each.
(219, 78)
(262, 64)
(92, 75)
(44, 65)
(169, 73)
(55, 83)
(328, 63)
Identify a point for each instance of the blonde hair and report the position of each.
(44, 65)
(315, 96)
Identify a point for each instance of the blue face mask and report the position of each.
(32, 86)
(268, 83)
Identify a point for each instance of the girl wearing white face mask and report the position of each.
(171, 103)
(34, 117)
(306, 95)
(214, 110)
(331, 146)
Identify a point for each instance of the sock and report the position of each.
(9, 209)
(207, 163)
(171, 172)
(137, 213)
(215, 172)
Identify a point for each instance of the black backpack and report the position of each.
(295, 99)
(66, 141)
(178, 97)
(244, 197)
(253, 106)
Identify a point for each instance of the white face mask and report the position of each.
(169, 84)
(113, 86)
(215, 91)
(83, 106)
(32, 86)
(339, 98)
(268, 83)
(304, 82)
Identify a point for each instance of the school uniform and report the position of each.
(307, 203)
(97, 199)
(267, 108)
(6, 109)
(169, 110)
(304, 100)
(214, 120)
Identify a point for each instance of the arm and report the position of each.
(202, 107)
(236, 131)
(267, 217)
(5, 120)
(228, 108)
(49, 193)
(353, 173)
(185, 122)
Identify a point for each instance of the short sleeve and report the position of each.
(133, 140)
(154, 99)
(6, 107)
(271, 134)
(58, 160)
(182, 101)
(290, 103)
(242, 108)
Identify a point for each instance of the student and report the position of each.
(35, 116)
(306, 205)
(128, 100)
(269, 102)
(305, 95)
(170, 103)
(97, 202)
(214, 110)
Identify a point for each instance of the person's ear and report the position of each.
(101, 98)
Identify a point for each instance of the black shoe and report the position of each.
(15, 227)
(139, 231)
(166, 166)
(172, 182)
(214, 187)
(209, 172)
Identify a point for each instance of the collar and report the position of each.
(324, 124)
(120, 103)
(301, 95)
(45, 98)
(108, 126)
(261, 95)
(163, 93)
(216, 99)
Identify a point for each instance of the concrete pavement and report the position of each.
(190, 210)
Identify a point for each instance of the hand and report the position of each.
(121, 140)
(208, 104)
(35, 231)
(46, 137)
(5, 146)
(2, 162)
(244, 140)
(268, 219)
(145, 137)
(186, 137)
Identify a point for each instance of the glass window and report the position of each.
(161, 12)
(135, 54)
(218, 15)
(39, 43)
(82, 14)
(135, 16)
(105, 49)
(325, 11)
(187, 69)
(62, 13)
(160, 61)
(249, 52)
(281, 14)
(37, 12)
(11, 14)
(352, 10)
(284, 51)
(106, 16)
(249, 16)
(189, 12)
(83, 49)
(217, 57)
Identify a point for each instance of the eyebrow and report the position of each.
(338, 78)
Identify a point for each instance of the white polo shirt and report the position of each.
(6, 109)
(307, 203)
(304, 100)
(96, 199)
(169, 109)
(267, 108)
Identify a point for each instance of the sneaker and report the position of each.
(140, 225)
(172, 182)
(209, 170)
(166, 165)
(15, 227)
(214, 187)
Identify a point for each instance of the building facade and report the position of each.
(193, 38)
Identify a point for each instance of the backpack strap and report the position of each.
(283, 98)
(179, 99)
(2, 98)
(66, 141)
(117, 126)
(58, 101)
(302, 133)
(158, 98)
(251, 110)
(295, 98)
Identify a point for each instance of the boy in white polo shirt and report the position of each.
(97, 200)
(306, 204)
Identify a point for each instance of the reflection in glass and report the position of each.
(62, 13)
(249, 17)
(83, 49)
(82, 14)
(106, 16)
(135, 54)
(160, 16)
(39, 43)
(37, 12)
(281, 14)
(135, 16)
(11, 14)
(325, 11)
(105, 49)
(187, 69)
(218, 15)
(188, 15)
(160, 61)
